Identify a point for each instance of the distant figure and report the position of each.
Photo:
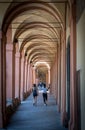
(45, 96)
(35, 94)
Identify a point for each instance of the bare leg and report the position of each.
(36, 100)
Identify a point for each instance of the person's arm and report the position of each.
(48, 88)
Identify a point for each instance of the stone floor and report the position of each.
(40, 117)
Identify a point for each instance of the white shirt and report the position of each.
(44, 90)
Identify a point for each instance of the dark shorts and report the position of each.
(34, 94)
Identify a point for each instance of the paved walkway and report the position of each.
(40, 117)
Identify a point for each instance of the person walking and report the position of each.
(45, 96)
(35, 94)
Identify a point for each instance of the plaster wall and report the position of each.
(81, 63)
(3, 7)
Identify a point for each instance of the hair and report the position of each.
(44, 85)
(34, 85)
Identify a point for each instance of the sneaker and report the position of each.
(45, 104)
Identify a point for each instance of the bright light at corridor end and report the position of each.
(42, 62)
(45, 63)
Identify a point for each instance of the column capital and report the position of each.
(9, 47)
(17, 54)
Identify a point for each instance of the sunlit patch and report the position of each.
(42, 62)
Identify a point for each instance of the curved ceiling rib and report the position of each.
(31, 47)
(34, 20)
(44, 53)
(39, 44)
(36, 25)
(38, 38)
(32, 25)
(17, 8)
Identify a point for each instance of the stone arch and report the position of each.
(14, 11)
(8, 19)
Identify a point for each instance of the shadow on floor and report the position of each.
(40, 117)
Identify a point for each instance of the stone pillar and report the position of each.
(9, 34)
(17, 75)
(56, 68)
(9, 71)
(55, 79)
(64, 117)
(34, 75)
(28, 77)
(25, 85)
(59, 76)
(31, 80)
(1, 83)
(2, 80)
(52, 80)
(22, 77)
(31, 76)
(10, 62)
(73, 118)
(49, 76)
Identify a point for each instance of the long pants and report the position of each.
(45, 97)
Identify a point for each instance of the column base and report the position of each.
(59, 110)
(65, 119)
(72, 126)
(1, 121)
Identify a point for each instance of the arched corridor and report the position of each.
(29, 117)
(42, 41)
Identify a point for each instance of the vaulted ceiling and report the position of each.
(37, 25)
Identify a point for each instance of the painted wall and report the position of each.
(3, 8)
(81, 62)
